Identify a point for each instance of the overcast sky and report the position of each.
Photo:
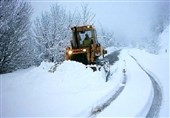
(128, 18)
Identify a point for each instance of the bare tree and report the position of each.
(106, 38)
(86, 15)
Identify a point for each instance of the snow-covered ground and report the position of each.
(75, 91)
(158, 65)
(70, 91)
(135, 99)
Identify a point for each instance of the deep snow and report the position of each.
(70, 91)
(74, 90)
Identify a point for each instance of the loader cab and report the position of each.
(83, 53)
(79, 34)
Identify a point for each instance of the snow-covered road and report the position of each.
(110, 99)
(157, 100)
(136, 98)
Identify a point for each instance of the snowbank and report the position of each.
(45, 65)
(72, 90)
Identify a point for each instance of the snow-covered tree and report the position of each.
(161, 18)
(52, 30)
(14, 23)
(30, 51)
(159, 22)
(52, 33)
(106, 38)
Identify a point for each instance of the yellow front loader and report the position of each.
(92, 54)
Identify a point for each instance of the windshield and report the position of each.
(81, 35)
(78, 38)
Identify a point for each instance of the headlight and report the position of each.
(84, 50)
(88, 26)
(70, 52)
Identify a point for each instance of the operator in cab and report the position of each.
(87, 41)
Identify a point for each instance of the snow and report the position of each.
(74, 90)
(158, 65)
(136, 97)
(164, 38)
(70, 91)
(111, 49)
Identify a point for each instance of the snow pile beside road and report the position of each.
(45, 65)
(72, 90)
(74, 77)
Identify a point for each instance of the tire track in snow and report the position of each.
(113, 57)
(157, 100)
(101, 107)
